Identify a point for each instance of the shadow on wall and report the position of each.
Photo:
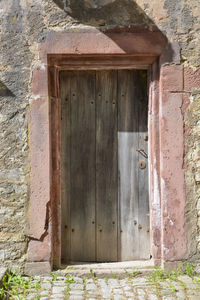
(105, 12)
(115, 13)
(4, 91)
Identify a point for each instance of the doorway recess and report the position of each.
(88, 49)
(104, 165)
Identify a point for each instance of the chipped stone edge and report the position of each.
(3, 271)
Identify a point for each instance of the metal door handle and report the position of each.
(141, 151)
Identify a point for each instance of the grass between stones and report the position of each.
(15, 286)
(69, 279)
(172, 276)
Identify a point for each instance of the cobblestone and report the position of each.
(46, 285)
(91, 286)
(140, 288)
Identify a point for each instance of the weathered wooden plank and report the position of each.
(128, 168)
(82, 206)
(143, 218)
(133, 186)
(106, 165)
(65, 79)
(55, 181)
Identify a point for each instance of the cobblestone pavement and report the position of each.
(139, 288)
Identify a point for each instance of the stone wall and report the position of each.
(24, 25)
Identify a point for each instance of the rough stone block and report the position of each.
(2, 272)
(40, 81)
(37, 268)
(58, 289)
(191, 79)
(46, 285)
(171, 54)
(40, 181)
(101, 43)
(39, 250)
(172, 78)
(171, 265)
(172, 177)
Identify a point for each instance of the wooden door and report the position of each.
(104, 174)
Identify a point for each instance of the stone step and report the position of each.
(110, 270)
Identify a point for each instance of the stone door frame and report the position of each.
(89, 48)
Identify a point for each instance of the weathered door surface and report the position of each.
(104, 171)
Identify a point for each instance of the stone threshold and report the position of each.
(108, 269)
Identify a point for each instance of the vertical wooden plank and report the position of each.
(55, 180)
(142, 100)
(65, 77)
(128, 168)
(82, 204)
(106, 165)
(133, 181)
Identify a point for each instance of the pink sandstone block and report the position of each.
(99, 42)
(154, 174)
(172, 78)
(172, 177)
(40, 175)
(39, 250)
(40, 81)
(37, 268)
